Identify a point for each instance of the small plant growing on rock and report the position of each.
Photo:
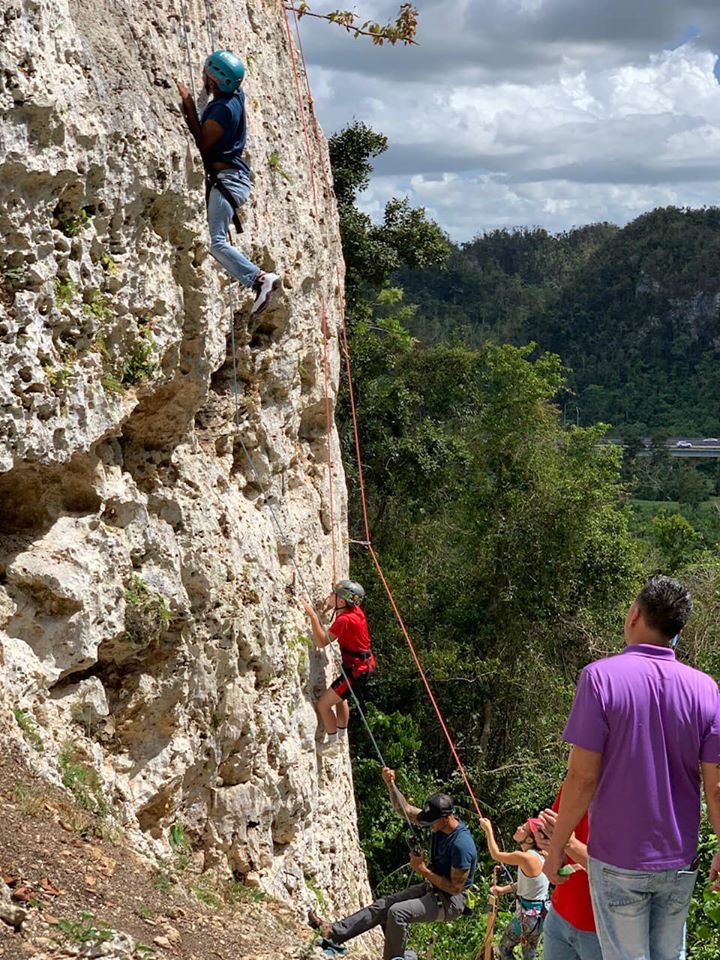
(13, 278)
(28, 724)
(82, 781)
(85, 930)
(206, 894)
(180, 846)
(238, 892)
(97, 306)
(109, 264)
(275, 167)
(65, 291)
(138, 365)
(59, 377)
(128, 371)
(74, 224)
(147, 615)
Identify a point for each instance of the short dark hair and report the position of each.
(665, 604)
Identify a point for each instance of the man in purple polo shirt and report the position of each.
(645, 729)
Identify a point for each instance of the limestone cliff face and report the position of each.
(148, 603)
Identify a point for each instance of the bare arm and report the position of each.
(205, 135)
(577, 851)
(456, 883)
(574, 848)
(400, 804)
(501, 891)
(320, 635)
(530, 864)
(577, 792)
(711, 786)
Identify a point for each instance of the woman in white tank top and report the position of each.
(531, 888)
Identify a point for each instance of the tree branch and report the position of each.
(401, 30)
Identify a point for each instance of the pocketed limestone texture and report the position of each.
(149, 586)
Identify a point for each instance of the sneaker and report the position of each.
(264, 288)
(330, 748)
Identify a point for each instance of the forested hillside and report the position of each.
(503, 527)
(634, 313)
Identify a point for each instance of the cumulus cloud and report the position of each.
(547, 112)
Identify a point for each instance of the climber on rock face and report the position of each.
(440, 896)
(220, 135)
(349, 627)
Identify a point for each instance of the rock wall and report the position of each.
(149, 612)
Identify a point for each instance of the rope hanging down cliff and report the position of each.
(368, 540)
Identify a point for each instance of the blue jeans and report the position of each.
(640, 915)
(563, 941)
(220, 215)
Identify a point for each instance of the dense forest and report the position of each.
(633, 313)
(513, 537)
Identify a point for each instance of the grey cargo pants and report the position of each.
(395, 912)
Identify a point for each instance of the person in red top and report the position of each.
(570, 923)
(349, 627)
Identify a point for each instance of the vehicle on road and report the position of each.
(683, 443)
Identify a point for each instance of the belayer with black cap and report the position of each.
(349, 627)
(441, 894)
(220, 135)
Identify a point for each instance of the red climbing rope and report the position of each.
(356, 431)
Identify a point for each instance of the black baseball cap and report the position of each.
(436, 806)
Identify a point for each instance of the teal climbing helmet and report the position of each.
(226, 69)
(349, 591)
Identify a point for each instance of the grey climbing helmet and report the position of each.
(349, 591)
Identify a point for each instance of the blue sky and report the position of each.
(533, 112)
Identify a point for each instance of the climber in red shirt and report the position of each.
(349, 627)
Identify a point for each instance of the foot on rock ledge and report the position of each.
(317, 923)
(264, 287)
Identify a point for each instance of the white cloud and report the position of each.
(608, 128)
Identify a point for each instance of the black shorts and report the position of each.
(359, 682)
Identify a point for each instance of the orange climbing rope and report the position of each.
(348, 367)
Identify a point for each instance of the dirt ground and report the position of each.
(79, 881)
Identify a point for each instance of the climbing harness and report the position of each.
(213, 180)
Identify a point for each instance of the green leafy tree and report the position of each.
(677, 542)
(374, 251)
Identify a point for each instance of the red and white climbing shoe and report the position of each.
(264, 287)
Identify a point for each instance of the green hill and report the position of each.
(633, 312)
